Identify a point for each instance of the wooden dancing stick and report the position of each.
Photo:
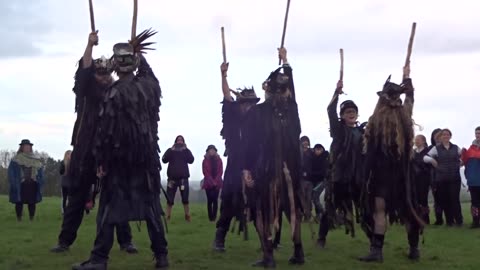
(92, 17)
(409, 50)
(284, 28)
(224, 51)
(134, 19)
(341, 64)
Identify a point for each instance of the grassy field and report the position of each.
(26, 245)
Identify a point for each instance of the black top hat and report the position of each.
(211, 147)
(247, 95)
(391, 89)
(25, 141)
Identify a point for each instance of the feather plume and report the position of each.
(139, 44)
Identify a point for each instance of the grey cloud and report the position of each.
(23, 23)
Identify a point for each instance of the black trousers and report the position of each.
(73, 216)
(31, 209)
(105, 233)
(437, 203)
(449, 199)
(212, 203)
(227, 212)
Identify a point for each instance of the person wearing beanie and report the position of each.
(212, 168)
(345, 173)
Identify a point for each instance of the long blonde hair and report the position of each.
(66, 160)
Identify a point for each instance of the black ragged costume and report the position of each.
(389, 151)
(81, 175)
(126, 148)
(273, 158)
(345, 175)
(89, 96)
(233, 203)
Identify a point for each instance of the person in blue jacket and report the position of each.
(25, 176)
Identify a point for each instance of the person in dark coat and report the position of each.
(318, 175)
(388, 190)
(92, 78)
(344, 175)
(421, 177)
(126, 152)
(272, 166)
(212, 168)
(178, 157)
(25, 176)
(234, 115)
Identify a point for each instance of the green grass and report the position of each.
(26, 245)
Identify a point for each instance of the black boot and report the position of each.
(267, 261)
(413, 239)
(376, 249)
(90, 265)
(60, 248)
(161, 261)
(438, 217)
(298, 256)
(219, 242)
(321, 242)
(129, 248)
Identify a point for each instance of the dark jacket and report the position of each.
(178, 160)
(319, 167)
(88, 99)
(346, 148)
(421, 169)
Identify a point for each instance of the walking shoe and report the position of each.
(129, 248)
(414, 254)
(89, 265)
(60, 248)
(161, 262)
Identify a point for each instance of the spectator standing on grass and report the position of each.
(435, 140)
(212, 167)
(319, 173)
(422, 177)
(471, 159)
(25, 176)
(64, 178)
(445, 157)
(178, 157)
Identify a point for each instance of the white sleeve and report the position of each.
(427, 159)
(433, 152)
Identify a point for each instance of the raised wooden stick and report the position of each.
(134, 19)
(284, 28)
(410, 46)
(341, 64)
(224, 51)
(92, 17)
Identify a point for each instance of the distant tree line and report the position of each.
(52, 185)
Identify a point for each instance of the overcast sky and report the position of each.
(43, 40)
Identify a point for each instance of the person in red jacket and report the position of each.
(212, 182)
(471, 159)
